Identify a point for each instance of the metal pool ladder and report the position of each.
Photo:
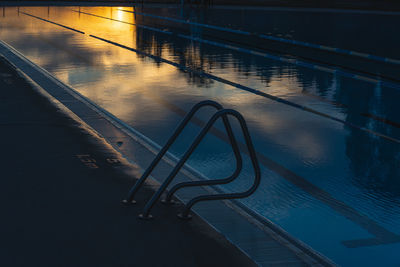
(221, 113)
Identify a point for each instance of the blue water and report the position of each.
(323, 181)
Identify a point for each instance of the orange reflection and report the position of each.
(110, 75)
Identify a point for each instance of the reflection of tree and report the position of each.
(373, 160)
(186, 53)
(204, 57)
(309, 78)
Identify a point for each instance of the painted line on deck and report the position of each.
(66, 27)
(261, 54)
(248, 89)
(276, 39)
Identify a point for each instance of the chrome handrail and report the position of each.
(221, 113)
(179, 129)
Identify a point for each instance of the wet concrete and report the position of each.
(61, 188)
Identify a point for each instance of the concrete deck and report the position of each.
(65, 180)
(60, 197)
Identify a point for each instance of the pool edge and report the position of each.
(306, 253)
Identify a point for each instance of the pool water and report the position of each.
(330, 173)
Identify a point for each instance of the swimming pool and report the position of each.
(330, 171)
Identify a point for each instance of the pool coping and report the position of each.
(301, 250)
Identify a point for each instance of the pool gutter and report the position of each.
(103, 123)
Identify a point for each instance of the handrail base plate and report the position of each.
(184, 217)
(127, 202)
(143, 217)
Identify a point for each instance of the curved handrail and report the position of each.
(221, 113)
(254, 161)
(135, 188)
(176, 187)
(229, 179)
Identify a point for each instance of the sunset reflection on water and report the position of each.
(355, 167)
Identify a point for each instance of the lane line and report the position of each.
(276, 39)
(66, 27)
(384, 120)
(293, 61)
(364, 114)
(372, 227)
(261, 54)
(239, 86)
(248, 89)
(382, 235)
(124, 22)
(188, 171)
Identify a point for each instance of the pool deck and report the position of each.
(61, 188)
(63, 182)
